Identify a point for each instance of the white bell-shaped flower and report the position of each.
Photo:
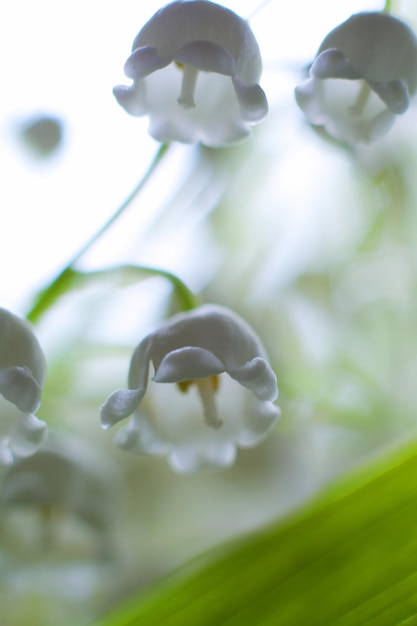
(363, 76)
(195, 68)
(22, 374)
(66, 478)
(223, 397)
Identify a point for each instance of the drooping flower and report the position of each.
(66, 478)
(195, 68)
(22, 374)
(363, 76)
(195, 350)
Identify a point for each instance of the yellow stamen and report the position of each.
(184, 385)
(206, 389)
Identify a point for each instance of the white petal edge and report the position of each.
(188, 363)
(188, 459)
(18, 385)
(257, 376)
(332, 63)
(28, 435)
(207, 57)
(139, 437)
(119, 405)
(252, 101)
(258, 422)
(143, 62)
(131, 99)
(6, 455)
(394, 94)
(309, 102)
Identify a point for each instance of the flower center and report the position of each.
(189, 81)
(206, 389)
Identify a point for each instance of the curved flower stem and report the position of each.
(388, 6)
(256, 10)
(187, 299)
(60, 283)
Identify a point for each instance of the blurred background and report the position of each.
(312, 242)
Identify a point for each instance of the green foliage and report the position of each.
(348, 558)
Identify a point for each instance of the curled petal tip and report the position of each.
(120, 405)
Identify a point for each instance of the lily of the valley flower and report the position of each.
(363, 76)
(65, 476)
(22, 374)
(214, 356)
(195, 68)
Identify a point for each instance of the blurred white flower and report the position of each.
(22, 374)
(194, 349)
(363, 76)
(195, 68)
(65, 476)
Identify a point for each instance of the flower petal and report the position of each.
(188, 458)
(132, 98)
(309, 102)
(20, 348)
(258, 419)
(18, 385)
(188, 363)
(252, 101)
(376, 127)
(120, 405)
(215, 121)
(29, 433)
(139, 437)
(208, 57)
(143, 62)
(257, 376)
(139, 365)
(6, 455)
(394, 94)
(333, 64)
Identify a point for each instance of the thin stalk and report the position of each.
(186, 297)
(59, 284)
(256, 10)
(387, 7)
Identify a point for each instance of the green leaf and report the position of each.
(349, 558)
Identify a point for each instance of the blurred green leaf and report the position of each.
(348, 558)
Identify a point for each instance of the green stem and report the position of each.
(388, 6)
(187, 299)
(59, 284)
(257, 9)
